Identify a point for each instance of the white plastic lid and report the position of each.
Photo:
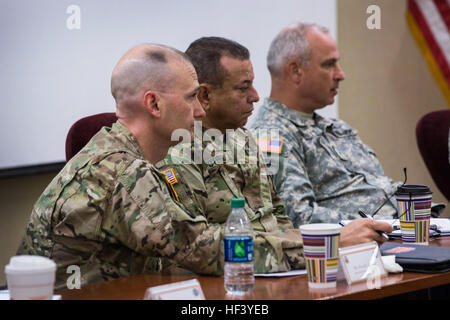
(29, 264)
(320, 228)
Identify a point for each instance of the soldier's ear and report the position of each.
(151, 100)
(204, 95)
(294, 71)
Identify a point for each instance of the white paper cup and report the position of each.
(30, 278)
(321, 248)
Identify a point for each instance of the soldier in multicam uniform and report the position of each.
(324, 173)
(233, 170)
(109, 211)
(227, 95)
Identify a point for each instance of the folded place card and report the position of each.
(183, 290)
(361, 262)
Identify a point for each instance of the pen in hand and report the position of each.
(364, 215)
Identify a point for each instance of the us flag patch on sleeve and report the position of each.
(170, 176)
(270, 145)
(171, 179)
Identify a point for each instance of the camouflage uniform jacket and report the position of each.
(209, 186)
(109, 211)
(323, 172)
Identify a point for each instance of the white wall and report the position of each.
(52, 76)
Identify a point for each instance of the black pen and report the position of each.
(363, 215)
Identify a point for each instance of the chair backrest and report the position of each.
(432, 133)
(84, 129)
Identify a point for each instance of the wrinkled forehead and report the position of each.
(237, 70)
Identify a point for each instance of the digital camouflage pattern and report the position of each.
(324, 172)
(210, 186)
(109, 211)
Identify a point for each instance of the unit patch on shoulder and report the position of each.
(270, 145)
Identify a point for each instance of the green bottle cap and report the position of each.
(237, 203)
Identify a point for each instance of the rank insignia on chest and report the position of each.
(270, 145)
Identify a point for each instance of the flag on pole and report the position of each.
(429, 21)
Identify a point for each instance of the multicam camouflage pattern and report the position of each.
(210, 187)
(109, 211)
(324, 171)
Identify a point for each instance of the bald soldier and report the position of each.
(109, 211)
(227, 94)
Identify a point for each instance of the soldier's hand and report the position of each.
(363, 230)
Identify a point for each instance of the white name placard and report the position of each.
(361, 262)
(183, 290)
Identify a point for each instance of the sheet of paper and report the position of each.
(443, 224)
(282, 274)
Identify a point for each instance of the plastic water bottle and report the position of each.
(238, 250)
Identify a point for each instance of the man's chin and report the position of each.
(244, 121)
(327, 103)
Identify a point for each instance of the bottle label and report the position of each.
(238, 249)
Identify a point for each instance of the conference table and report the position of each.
(266, 288)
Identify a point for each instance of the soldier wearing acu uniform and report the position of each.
(324, 173)
(109, 211)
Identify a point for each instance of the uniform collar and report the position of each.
(121, 133)
(294, 116)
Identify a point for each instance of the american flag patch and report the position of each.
(270, 145)
(170, 176)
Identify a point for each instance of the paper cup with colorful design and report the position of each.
(30, 277)
(414, 209)
(321, 248)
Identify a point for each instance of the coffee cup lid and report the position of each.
(413, 189)
(29, 264)
(320, 228)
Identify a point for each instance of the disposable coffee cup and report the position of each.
(321, 249)
(414, 208)
(30, 278)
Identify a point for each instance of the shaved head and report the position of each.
(155, 88)
(144, 67)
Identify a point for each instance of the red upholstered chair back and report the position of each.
(432, 132)
(84, 129)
